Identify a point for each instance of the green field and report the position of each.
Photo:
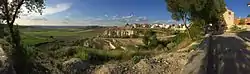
(31, 37)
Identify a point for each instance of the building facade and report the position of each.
(229, 18)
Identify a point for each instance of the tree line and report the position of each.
(203, 12)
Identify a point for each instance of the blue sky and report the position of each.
(154, 9)
(239, 7)
(111, 12)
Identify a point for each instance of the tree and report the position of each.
(242, 22)
(248, 15)
(9, 11)
(211, 11)
(180, 11)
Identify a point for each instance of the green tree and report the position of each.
(209, 11)
(180, 11)
(9, 11)
(248, 15)
(242, 22)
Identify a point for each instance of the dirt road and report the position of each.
(229, 54)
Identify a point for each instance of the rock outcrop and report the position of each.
(6, 66)
(100, 43)
(165, 63)
(109, 43)
(75, 66)
(108, 69)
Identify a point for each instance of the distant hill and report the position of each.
(61, 27)
(58, 27)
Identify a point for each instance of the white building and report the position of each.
(160, 26)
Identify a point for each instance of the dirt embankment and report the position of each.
(166, 63)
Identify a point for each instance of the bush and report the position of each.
(82, 54)
(29, 52)
(99, 56)
(137, 59)
(150, 39)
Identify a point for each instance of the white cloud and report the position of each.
(103, 20)
(128, 17)
(33, 18)
(114, 17)
(47, 11)
(106, 15)
(139, 19)
(171, 21)
(68, 15)
(166, 21)
(58, 8)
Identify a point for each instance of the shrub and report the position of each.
(150, 39)
(137, 59)
(29, 52)
(82, 54)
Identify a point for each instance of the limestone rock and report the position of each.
(6, 66)
(75, 66)
(110, 69)
(151, 66)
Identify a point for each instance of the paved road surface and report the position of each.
(229, 54)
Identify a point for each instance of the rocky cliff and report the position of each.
(109, 43)
(165, 63)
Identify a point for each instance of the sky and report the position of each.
(110, 12)
(239, 7)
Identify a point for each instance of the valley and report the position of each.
(98, 48)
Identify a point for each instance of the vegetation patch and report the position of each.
(97, 55)
(137, 59)
(236, 29)
(32, 40)
(82, 54)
